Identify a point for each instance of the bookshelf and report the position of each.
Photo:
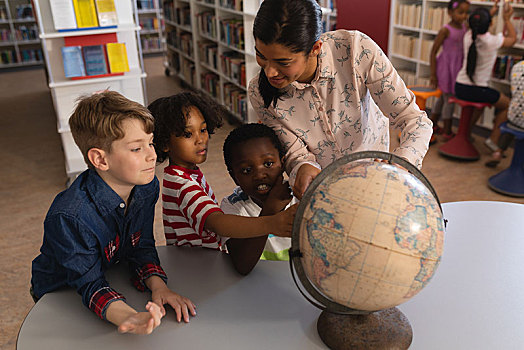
(66, 90)
(19, 41)
(210, 47)
(415, 24)
(150, 20)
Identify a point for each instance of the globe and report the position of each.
(368, 234)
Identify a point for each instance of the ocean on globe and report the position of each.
(370, 233)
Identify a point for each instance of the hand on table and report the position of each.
(182, 305)
(142, 322)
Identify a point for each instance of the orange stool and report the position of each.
(460, 146)
(422, 93)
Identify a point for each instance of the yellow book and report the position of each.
(117, 57)
(106, 13)
(85, 12)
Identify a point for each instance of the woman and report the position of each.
(328, 95)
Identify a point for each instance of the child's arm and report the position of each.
(441, 36)
(129, 321)
(245, 253)
(511, 37)
(162, 295)
(235, 226)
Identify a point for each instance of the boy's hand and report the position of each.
(142, 322)
(182, 305)
(283, 221)
(278, 197)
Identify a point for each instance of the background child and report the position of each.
(473, 78)
(515, 112)
(253, 156)
(445, 67)
(191, 214)
(106, 216)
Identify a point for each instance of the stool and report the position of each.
(422, 93)
(460, 146)
(511, 181)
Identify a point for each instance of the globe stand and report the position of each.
(385, 329)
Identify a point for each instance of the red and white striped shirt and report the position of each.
(187, 200)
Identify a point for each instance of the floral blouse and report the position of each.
(355, 96)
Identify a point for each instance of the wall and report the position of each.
(368, 16)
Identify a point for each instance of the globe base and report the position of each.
(385, 329)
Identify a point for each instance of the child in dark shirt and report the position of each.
(106, 216)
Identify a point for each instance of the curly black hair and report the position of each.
(247, 132)
(170, 114)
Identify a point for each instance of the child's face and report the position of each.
(190, 149)
(131, 160)
(460, 14)
(256, 166)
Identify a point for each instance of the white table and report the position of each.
(473, 302)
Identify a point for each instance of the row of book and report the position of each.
(235, 99)
(3, 13)
(503, 65)
(405, 44)
(232, 32)
(179, 15)
(210, 83)
(436, 18)
(518, 23)
(208, 53)
(83, 14)
(22, 11)
(182, 42)
(21, 33)
(206, 23)
(232, 4)
(234, 66)
(94, 60)
(408, 14)
(27, 55)
(150, 42)
(149, 23)
(145, 4)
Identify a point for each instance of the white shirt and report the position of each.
(487, 46)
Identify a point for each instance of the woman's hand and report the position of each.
(305, 174)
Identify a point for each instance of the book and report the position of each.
(63, 14)
(117, 57)
(106, 13)
(73, 62)
(95, 60)
(85, 12)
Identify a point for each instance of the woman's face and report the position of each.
(282, 66)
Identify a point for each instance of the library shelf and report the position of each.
(413, 27)
(65, 91)
(19, 41)
(150, 19)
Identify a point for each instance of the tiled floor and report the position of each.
(33, 173)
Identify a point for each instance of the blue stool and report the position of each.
(511, 181)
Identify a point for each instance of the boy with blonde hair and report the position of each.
(106, 216)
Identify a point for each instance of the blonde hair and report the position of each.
(97, 119)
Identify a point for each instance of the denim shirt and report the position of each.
(87, 230)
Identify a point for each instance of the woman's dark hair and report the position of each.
(479, 22)
(247, 132)
(453, 4)
(295, 24)
(170, 114)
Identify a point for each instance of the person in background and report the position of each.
(445, 67)
(253, 156)
(328, 95)
(106, 217)
(480, 53)
(192, 217)
(515, 113)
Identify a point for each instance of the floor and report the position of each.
(33, 173)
